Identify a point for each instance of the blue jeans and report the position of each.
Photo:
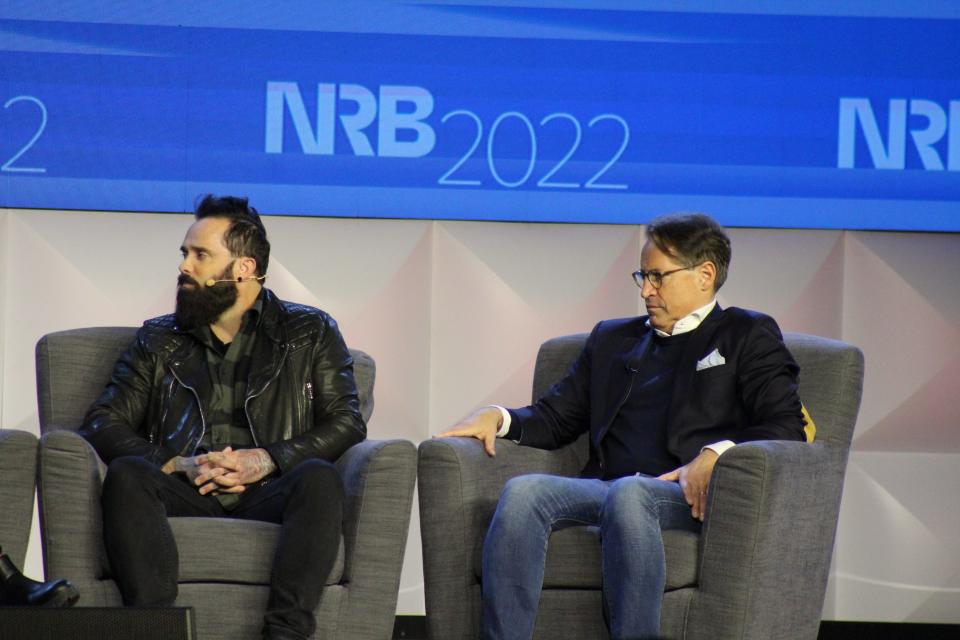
(630, 512)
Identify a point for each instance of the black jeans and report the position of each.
(307, 502)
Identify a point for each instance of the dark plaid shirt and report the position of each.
(229, 368)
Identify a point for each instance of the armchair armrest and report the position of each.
(18, 467)
(378, 478)
(459, 488)
(772, 512)
(68, 489)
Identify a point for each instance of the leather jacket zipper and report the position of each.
(203, 419)
(251, 396)
(155, 436)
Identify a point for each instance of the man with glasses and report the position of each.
(662, 396)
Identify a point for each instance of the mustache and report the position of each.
(183, 279)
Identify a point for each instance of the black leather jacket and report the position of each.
(301, 397)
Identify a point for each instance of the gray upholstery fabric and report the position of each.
(18, 472)
(72, 369)
(757, 571)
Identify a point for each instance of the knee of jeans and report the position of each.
(517, 487)
(520, 493)
(126, 473)
(129, 468)
(632, 492)
(319, 477)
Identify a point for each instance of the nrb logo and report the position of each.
(394, 109)
(934, 122)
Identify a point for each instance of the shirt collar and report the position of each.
(688, 322)
(256, 309)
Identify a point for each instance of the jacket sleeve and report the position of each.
(115, 423)
(563, 413)
(337, 423)
(767, 379)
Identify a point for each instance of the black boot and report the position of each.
(17, 590)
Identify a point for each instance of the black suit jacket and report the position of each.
(753, 396)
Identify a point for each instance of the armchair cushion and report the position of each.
(18, 466)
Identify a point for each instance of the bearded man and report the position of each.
(235, 407)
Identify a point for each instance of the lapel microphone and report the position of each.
(212, 282)
(636, 356)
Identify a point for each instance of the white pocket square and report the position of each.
(712, 359)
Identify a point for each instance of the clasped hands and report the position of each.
(226, 471)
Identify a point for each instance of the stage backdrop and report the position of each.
(573, 111)
(454, 312)
(453, 117)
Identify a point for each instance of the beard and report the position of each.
(202, 305)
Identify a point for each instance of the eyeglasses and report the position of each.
(655, 278)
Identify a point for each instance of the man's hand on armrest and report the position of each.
(483, 424)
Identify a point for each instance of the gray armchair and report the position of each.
(758, 570)
(18, 473)
(360, 599)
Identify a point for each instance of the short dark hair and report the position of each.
(691, 239)
(246, 236)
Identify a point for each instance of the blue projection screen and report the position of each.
(486, 111)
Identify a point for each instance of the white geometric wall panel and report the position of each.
(453, 313)
(898, 551)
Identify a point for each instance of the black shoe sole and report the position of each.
(63, 596)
